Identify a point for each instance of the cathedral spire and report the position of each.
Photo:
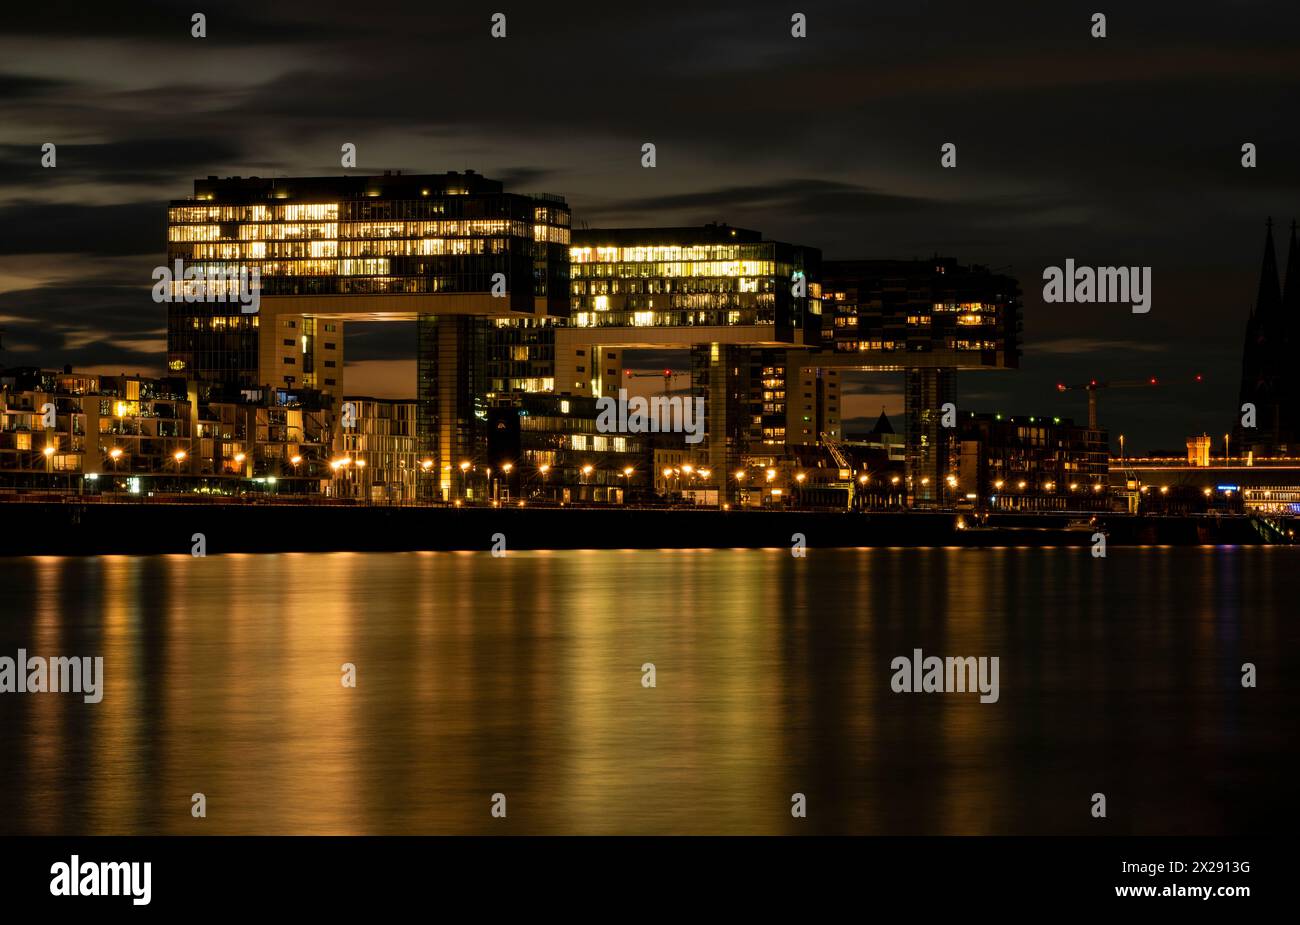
(1267, 382)
(1269, 300)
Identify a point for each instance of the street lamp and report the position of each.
(859, 498)
(179, 456)
(338, 465)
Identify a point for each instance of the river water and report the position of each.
(526, 676)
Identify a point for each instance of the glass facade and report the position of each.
(374, 246)
(683, 277)
(920, 306)
(214, 341)
(451, 407)
(520, 356)
(354, 236)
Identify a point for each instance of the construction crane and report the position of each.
(668, 377)
(1093, 386)
(836, 451)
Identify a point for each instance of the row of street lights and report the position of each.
(543, 470)
(1047, 486)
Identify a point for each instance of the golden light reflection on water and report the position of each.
(523, 675)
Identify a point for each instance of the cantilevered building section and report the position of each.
(367, 248)
(960, 316)
(709, 276)
(660, 287)
(935, 317)
(445, 250)
(726, 293)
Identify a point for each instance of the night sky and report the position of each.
(1115, 151)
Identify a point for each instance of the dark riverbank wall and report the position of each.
(75, 528)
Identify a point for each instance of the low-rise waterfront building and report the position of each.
(92, 433)
(380, 458)
(1026, 463)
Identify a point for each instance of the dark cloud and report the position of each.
(32, 227)
(805, 197)
(85, 325)
(231, 21)
(133, 161)
(14, 85)
(523, 179)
